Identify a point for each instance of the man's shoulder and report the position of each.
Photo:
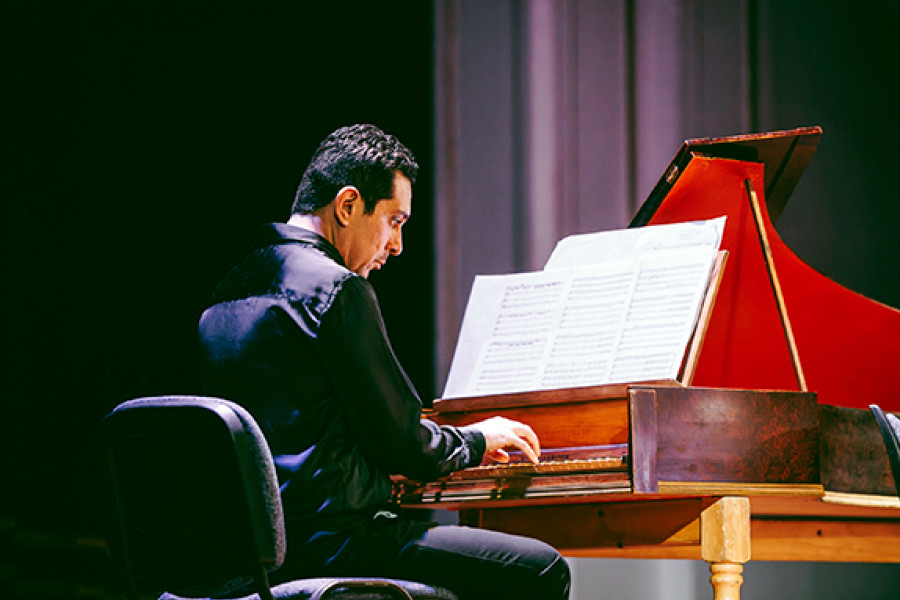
(306, 270)
(298, 267)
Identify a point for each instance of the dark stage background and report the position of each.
(143, 141)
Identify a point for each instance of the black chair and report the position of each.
(889, 425)
(194, 509)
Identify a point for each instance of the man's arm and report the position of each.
(381, 406)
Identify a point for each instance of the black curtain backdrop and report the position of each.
(143, 141)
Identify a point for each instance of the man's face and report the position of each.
(376, 236)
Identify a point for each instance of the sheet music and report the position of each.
(606, 246)
(617, 320)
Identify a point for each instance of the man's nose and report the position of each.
(395, 243)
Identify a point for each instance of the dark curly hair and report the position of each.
(359, 155)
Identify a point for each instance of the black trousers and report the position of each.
(476, 564)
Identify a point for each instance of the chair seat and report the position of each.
(348, 588)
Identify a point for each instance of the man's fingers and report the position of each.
(501, 432)
(526, 447)
(500, 455)
(532, 439)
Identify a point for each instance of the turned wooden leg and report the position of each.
(725, 544)
(726, 580)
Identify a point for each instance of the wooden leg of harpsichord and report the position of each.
(725, 544)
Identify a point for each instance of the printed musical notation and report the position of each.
(612, 307)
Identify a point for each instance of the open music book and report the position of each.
(611, 307)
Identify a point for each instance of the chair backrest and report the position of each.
(889, 425)
(191, 494)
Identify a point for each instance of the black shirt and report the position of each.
(298, 340)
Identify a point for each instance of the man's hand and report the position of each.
(501, 433)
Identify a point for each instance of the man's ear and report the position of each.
(345, 202)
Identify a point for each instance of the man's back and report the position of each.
(260, 349)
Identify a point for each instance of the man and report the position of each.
(295, 335)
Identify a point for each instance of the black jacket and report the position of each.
(298, 339)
